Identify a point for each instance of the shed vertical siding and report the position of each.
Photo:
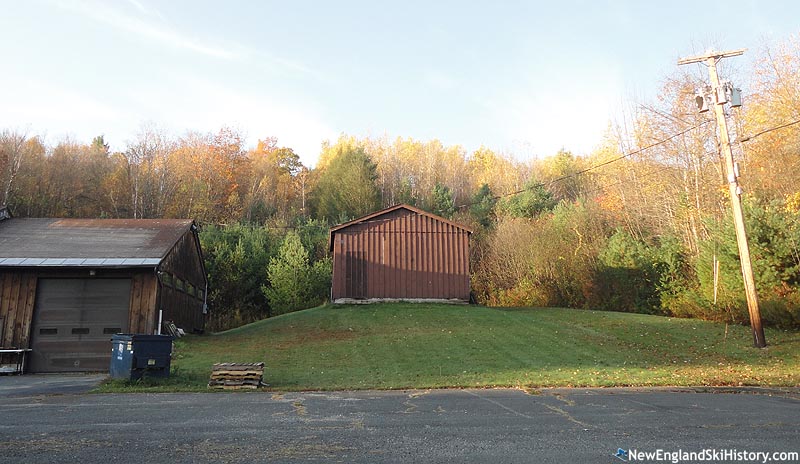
(141, 318)
(179, 305)
(401, 254)
(17, 294)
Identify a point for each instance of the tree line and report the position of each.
(640, 224)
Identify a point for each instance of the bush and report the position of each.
(548, 261)
(781, 311)
(530, 203)
(773, 234)
(632, 275)
(235, 259)
(293, 283)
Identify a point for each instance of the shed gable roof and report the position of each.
(88, 242)
(376, 215)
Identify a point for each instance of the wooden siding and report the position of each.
(401, 254)
(143, 317)
(185, 262)
(17, 295)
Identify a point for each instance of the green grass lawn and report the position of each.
(397, 346)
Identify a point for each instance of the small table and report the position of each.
(20, 366)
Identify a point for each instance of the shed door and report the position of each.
(73, 320)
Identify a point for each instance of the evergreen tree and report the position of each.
(482, 205)
(288, 276)
(294, 284)
(531, 202)
(442, 201)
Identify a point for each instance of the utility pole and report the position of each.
(718, 101)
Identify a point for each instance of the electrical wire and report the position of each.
(642, 176)
(750, 137)
(613, 160)
(743, 139)
(596, 166)
(627, 155)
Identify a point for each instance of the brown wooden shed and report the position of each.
(67, 285)
(400, 253)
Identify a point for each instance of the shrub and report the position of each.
(530, 203)
(235, 259)
(293, 283)
(773, 234)
(548, 261)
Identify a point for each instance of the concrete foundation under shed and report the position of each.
(365, 301)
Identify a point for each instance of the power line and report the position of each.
(596, 166)
(750, 137)
(635, 152)
(642, 176)
(622, 182)
(656, 171)
(627, 155)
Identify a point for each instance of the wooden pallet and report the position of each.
(238, 366)
(237, 376)
(234, 383)
(234, 386)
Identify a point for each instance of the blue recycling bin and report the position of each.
(133, 356)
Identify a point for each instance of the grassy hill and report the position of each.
(395, 346)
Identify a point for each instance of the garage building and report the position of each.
(400, 253)
(67, 285)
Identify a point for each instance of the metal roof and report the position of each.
(88, 242)
(374, 216)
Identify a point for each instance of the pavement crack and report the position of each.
(299, 408)
(567, 415)
(500, 405)
(412, 408)
(563, 399)
(358, 424)
(657, 408)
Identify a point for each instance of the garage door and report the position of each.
(73, 321)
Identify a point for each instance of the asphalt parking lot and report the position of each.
(48, 384)
(503, 426)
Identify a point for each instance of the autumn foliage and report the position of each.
(637, 225)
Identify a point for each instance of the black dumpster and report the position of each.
(133, 356)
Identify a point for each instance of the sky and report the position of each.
(525, 78)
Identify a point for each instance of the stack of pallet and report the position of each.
(237, 376)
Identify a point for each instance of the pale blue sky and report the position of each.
(525, 78)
